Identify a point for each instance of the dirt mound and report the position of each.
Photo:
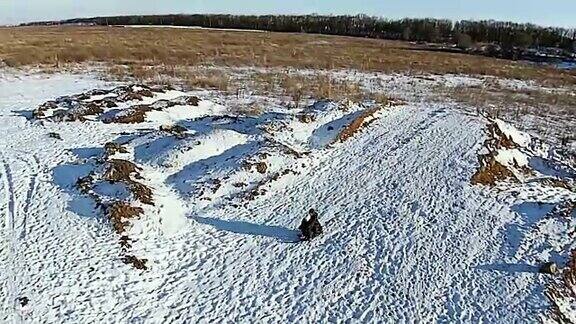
(498, 139)
(261, 167)
(118, 210)
(96, 104)
(91, 103)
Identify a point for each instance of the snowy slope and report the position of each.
(407, 237)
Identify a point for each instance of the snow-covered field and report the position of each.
(407, 236)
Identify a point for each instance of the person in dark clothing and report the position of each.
(310, 226)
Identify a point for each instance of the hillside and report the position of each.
(131, 202)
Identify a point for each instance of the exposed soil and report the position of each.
(123, 171)
(557, 183)
(306, 118)
(357, 124)
(141, 192)
(55, 136)
(120, 171)
(119, 213)
(498, 139)
(112, 148)
(562, 288)
(491, 172)
(133, 115)
(85, 184)
(79, 106)
(259, 190)
(176, 130)
(139, 264)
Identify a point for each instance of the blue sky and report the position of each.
(543, 12)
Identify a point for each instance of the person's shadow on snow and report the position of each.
(282, 234)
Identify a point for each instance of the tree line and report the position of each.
(507, 34)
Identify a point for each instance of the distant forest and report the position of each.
(464, 33)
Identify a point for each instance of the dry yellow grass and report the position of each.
(55, 46)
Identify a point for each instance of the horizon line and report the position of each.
(300, 14)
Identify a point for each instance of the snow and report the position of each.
(512, 157)
(407, 237)
(175, 114)
(517, 136)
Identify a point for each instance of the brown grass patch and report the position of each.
(119, 214)
(55, 46)
(357, 124)
(218, 81)
(141, 192)
(85, 184)
(518, 102)
(498, 139)
(491, 172)
(73, 114)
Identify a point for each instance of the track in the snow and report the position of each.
(8, 185)
(16, 215)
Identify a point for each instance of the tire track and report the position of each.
(8, 184)
(32, 186)
(16, 218)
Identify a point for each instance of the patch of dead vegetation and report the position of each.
(61, 45)
(548, 112)
(556, 183)
(120, 213)
(306, 118)
(117, 170)
(259, 189)
(85, 184)
(521, 100)
(78, 107)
